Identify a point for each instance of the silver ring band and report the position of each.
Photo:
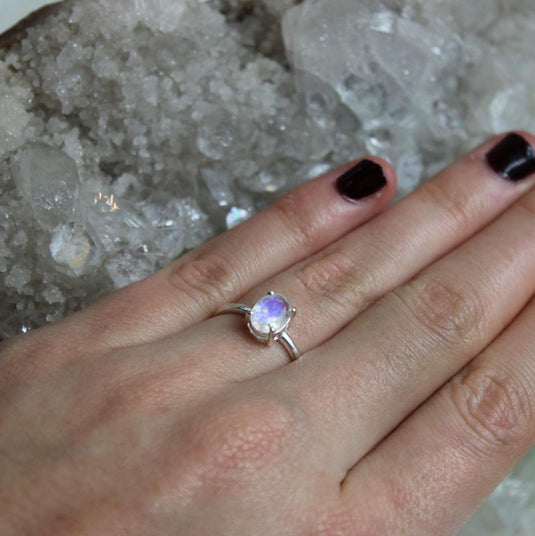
(268, 320)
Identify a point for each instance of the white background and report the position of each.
(11, 11)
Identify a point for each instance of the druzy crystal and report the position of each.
(74, 250)
(47, 179)
(272, 313)
(149, 126)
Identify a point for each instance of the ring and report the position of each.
(267, 320)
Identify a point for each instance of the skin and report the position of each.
(145, 415)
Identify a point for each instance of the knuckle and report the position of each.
(208, 278)
(122, 397)
(333, 277)
(128, 391)
(325, 275)
(448, 309)
(527, 204)
(299, 222)
(234, 438)
(448, 200)
(495, 407)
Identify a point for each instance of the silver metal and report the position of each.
(271, 337)
(281, 335)
(237, 308)
(289, 345)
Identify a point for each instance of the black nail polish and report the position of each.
(365, 179)
(513, 158)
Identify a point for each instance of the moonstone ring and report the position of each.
(267, 320)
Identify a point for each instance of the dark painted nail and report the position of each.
(513, 158)
(365, 179)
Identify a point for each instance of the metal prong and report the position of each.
(271, 293)
(293, 311)
(289, 344)
(271, 336)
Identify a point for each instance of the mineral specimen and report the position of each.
(47, 180)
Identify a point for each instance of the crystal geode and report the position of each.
(130, 133)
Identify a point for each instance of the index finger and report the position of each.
(190, 289)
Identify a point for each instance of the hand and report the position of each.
(145, 415)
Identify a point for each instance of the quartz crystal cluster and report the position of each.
(133, 131)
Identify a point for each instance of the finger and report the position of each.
(413, 340)
(441, 463)
(192, 288)
(332, 287)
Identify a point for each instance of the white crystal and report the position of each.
(218, 183)
(270, 180)
(128, 267)
(236, 216)
(18, 277)
(53, 294)
(48, 180)
(20, 239)
(74, 249)
(15, 118)
(223, 135)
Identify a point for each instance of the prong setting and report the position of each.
(271, 337)
(270, 317)
(267, 320)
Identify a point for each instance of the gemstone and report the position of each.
(271, 312)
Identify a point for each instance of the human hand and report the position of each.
(145, 415)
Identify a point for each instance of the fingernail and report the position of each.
(513, 158)
(365, 179)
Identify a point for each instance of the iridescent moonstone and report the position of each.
(270, 312)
